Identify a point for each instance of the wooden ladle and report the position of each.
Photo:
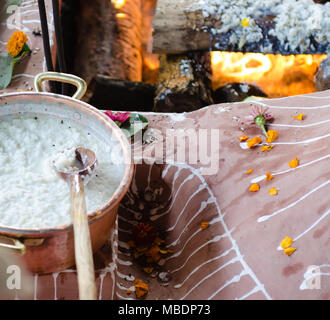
(82, 243)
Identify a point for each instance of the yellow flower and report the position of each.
(16, 43)
(286, 242)
(272, 136)
(299, 117)
(267, 148)
(254, 187)
(245, 22)
(254, 141)
(294, 163)
(273, 191)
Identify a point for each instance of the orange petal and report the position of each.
(272, 191)
(299, 117)
(254, 141)
(267, 147)
(289, 251)
(249, 171)
(294, 163)
(128, 291)
(254, 187)
(204, 225)
(141, 288)
(268, 176)
(286, 242)
(242, 138)
(272, 136)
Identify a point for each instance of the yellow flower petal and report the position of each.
(268, 176)
(267, 147)
(249, 171)
(289, 251)
(204, 225)
(294, 163)
(254, 141)
(243, 138)
(286, 242)
(299, 117)
(254, 187)
(16, 42)
(272, 191)
(272, 136)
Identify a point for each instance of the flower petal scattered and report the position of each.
(242, 138)
(273, 191)
(286, 242)
(267, 147)
(254, 187)
(294, 163)
(204, 225)
(272, 135)
(289, 251)
(299, 117)
(249, 171)
(253, 142)
(269, 176)
(141, 288)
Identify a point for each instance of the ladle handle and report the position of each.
(82, 242)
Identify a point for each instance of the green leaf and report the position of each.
(6, 69)
(134, 124)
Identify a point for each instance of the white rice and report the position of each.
(32, 195)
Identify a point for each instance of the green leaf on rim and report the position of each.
(134, 124)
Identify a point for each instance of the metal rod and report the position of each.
(45, 39)
(59, 40)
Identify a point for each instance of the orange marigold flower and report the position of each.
(249, 171)
(254, 187)
(204, 225)
(272, 136)
(299, 117)
(294, 163)
(242, 138)
(254, 141)
(153, 253)
(267, 147)
(141, 288)
(289, 251)
(272, 191)
(16, 43)
(269, 176)
(286, 242)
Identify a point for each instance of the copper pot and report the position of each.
(47, 250)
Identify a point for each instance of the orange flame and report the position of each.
(276, 75)
(118, 4)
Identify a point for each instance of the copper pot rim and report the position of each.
(120, 191)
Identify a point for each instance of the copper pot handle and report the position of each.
(16, 247)
(61, 77)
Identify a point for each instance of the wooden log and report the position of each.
(120, 95)
(107, 39)
(184, 83)
(285, 27)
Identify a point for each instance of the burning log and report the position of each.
(285, 27)
(184, 83)
(107, 39)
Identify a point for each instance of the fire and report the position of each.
(118, 4)
(276, 75)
